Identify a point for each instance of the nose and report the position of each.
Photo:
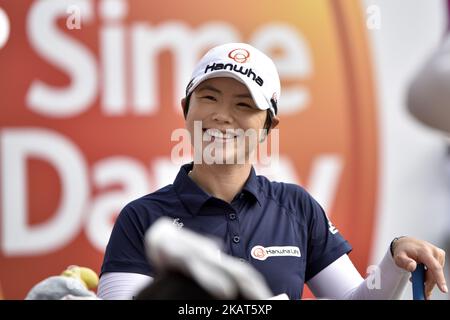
(222, 113)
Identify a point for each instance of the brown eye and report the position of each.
(244, 105)
(211, 98)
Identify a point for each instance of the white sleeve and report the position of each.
(121, 285)
(340, 280)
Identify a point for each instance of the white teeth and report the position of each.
(219, 134)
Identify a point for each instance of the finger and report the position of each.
(404, 262)
(440, 256)
(429, 284)
(436, 270)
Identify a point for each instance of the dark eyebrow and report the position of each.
(244, 95)
(212, 88)
(209, 87)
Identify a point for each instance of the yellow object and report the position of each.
(87, 276)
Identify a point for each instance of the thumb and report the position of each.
(405, 262)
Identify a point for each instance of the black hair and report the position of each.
(267, 123)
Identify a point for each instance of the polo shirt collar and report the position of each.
(193, 197)
(252, 186)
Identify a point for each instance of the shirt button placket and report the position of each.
(236, 244)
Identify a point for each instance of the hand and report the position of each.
(407, 252)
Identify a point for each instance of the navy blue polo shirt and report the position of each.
(276, 227)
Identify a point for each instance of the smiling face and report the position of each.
(230, 120)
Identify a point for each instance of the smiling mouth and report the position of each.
(216, 134)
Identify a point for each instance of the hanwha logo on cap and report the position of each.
(239, 55)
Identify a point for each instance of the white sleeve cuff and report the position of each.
(385, 281)
(121, 285)
(341, 280)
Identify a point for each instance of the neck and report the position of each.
(221, 181)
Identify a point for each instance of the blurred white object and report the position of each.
(429, 92)
(282, 296)
(199, 257)
(60, 287)
(72, 297)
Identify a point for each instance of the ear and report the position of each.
(183, 105)
(275, 121)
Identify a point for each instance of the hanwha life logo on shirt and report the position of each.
(262, 253)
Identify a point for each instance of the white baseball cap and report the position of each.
(246, 64)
